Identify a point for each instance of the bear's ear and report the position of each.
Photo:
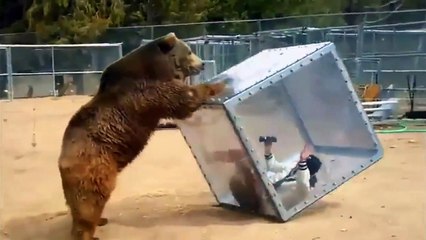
(167, 43)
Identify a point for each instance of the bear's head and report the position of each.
(186, 63)
(162, 59)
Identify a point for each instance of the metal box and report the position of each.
(300, 95)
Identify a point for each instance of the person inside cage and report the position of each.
(292, 183)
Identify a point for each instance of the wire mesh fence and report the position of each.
(52, 70)
(381, 47)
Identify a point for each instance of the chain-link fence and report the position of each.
(383, 47)
(52, 70)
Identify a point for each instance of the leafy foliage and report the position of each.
(66, 21)
(78, 21)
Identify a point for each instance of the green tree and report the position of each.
(78, 21)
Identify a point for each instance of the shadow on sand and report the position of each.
(146, 212)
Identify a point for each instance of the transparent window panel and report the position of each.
(31, 60)
(33, 86)
(270, 113)
(3, 74)
(78, 84)
(263, 65)
(324, 103)
(89, 58)
(224, 161)
(3, 61)
(311, 112)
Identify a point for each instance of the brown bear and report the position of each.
(108, 132)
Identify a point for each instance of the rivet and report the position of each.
(315, 196)
(353, 172)
(311, 59)
(261, 88)
(305, 202)
(291, 70)
(324, 190)
(240, 128)
(343, 177)
(250, 93)
(239, 99)
(252, 150)
(334, 184)
(271, 82)
(295, 209)
(362, 166)
(371, 160)
(246, 139)
(301, 65)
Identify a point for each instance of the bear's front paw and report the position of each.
(203, 92)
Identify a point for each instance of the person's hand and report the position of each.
(307, 150)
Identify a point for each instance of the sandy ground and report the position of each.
(163, 195)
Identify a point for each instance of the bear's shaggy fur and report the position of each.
(108, 132)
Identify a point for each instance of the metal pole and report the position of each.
(152, 32)
(53, 71)
(9, 73)
(120, 51)
(359, 49)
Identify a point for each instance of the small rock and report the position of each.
(4, 119)
(393, 236)
(350, 217)
(383, 206)
(316, 238)
(343, 230)
(411, 141)
(393, 146)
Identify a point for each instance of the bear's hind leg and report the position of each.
(102, 222)
(87, 214)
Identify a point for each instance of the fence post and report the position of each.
(152, 32)
(52, 51)
(120, 51)
(9, 73)
(359, 48)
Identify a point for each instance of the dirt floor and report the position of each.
(163, 195)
